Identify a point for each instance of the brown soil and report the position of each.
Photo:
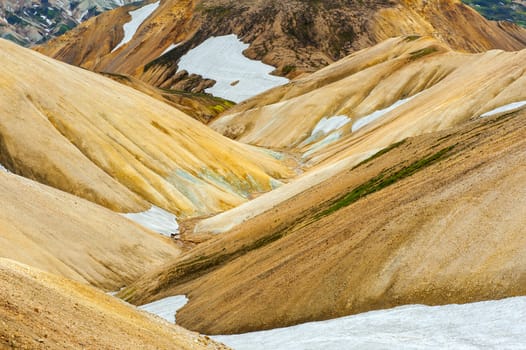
(42, 311)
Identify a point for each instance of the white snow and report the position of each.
(329, 139)
(137, 17)
(363, 121)
(328, 124)
(166, 308)
(485, 325)
(505, 108)
(156, 219)
(3, 168)
(237, 77)
(169, 48)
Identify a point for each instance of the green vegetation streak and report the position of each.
(383, 180)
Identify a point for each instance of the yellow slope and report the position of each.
(66, 235)
(93, 137)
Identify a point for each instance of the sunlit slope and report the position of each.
(93, 137)
(426, 85)
(43, 311)
(63, 234)
(293, 36)
(434, 219)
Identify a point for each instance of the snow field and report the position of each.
(137, 17)
(498, 324)
(156, 219)
(166, 308)
(237, 77)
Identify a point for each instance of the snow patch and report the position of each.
(491, 324)
(505, 108)
(237, 77)
(3, 168)
(328, 124)
(363, 121)
(169, 48)
(166, 308)
(156, 219)
(137, 17)
(329, 139)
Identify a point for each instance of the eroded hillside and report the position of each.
(69, 236)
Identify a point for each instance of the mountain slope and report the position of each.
(69, 236)
(435, 219)
(43, 311)
(88, 135)
(294, 36)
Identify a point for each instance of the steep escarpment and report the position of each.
(88, 135)
(434, 219)
(293, 36)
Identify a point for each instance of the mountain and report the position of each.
(93, 137)
(43, 311)
(506, 10)
(34, 22)
(151, 41)
(411, 152)
(301, 173)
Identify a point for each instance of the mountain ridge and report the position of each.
(293, 36)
